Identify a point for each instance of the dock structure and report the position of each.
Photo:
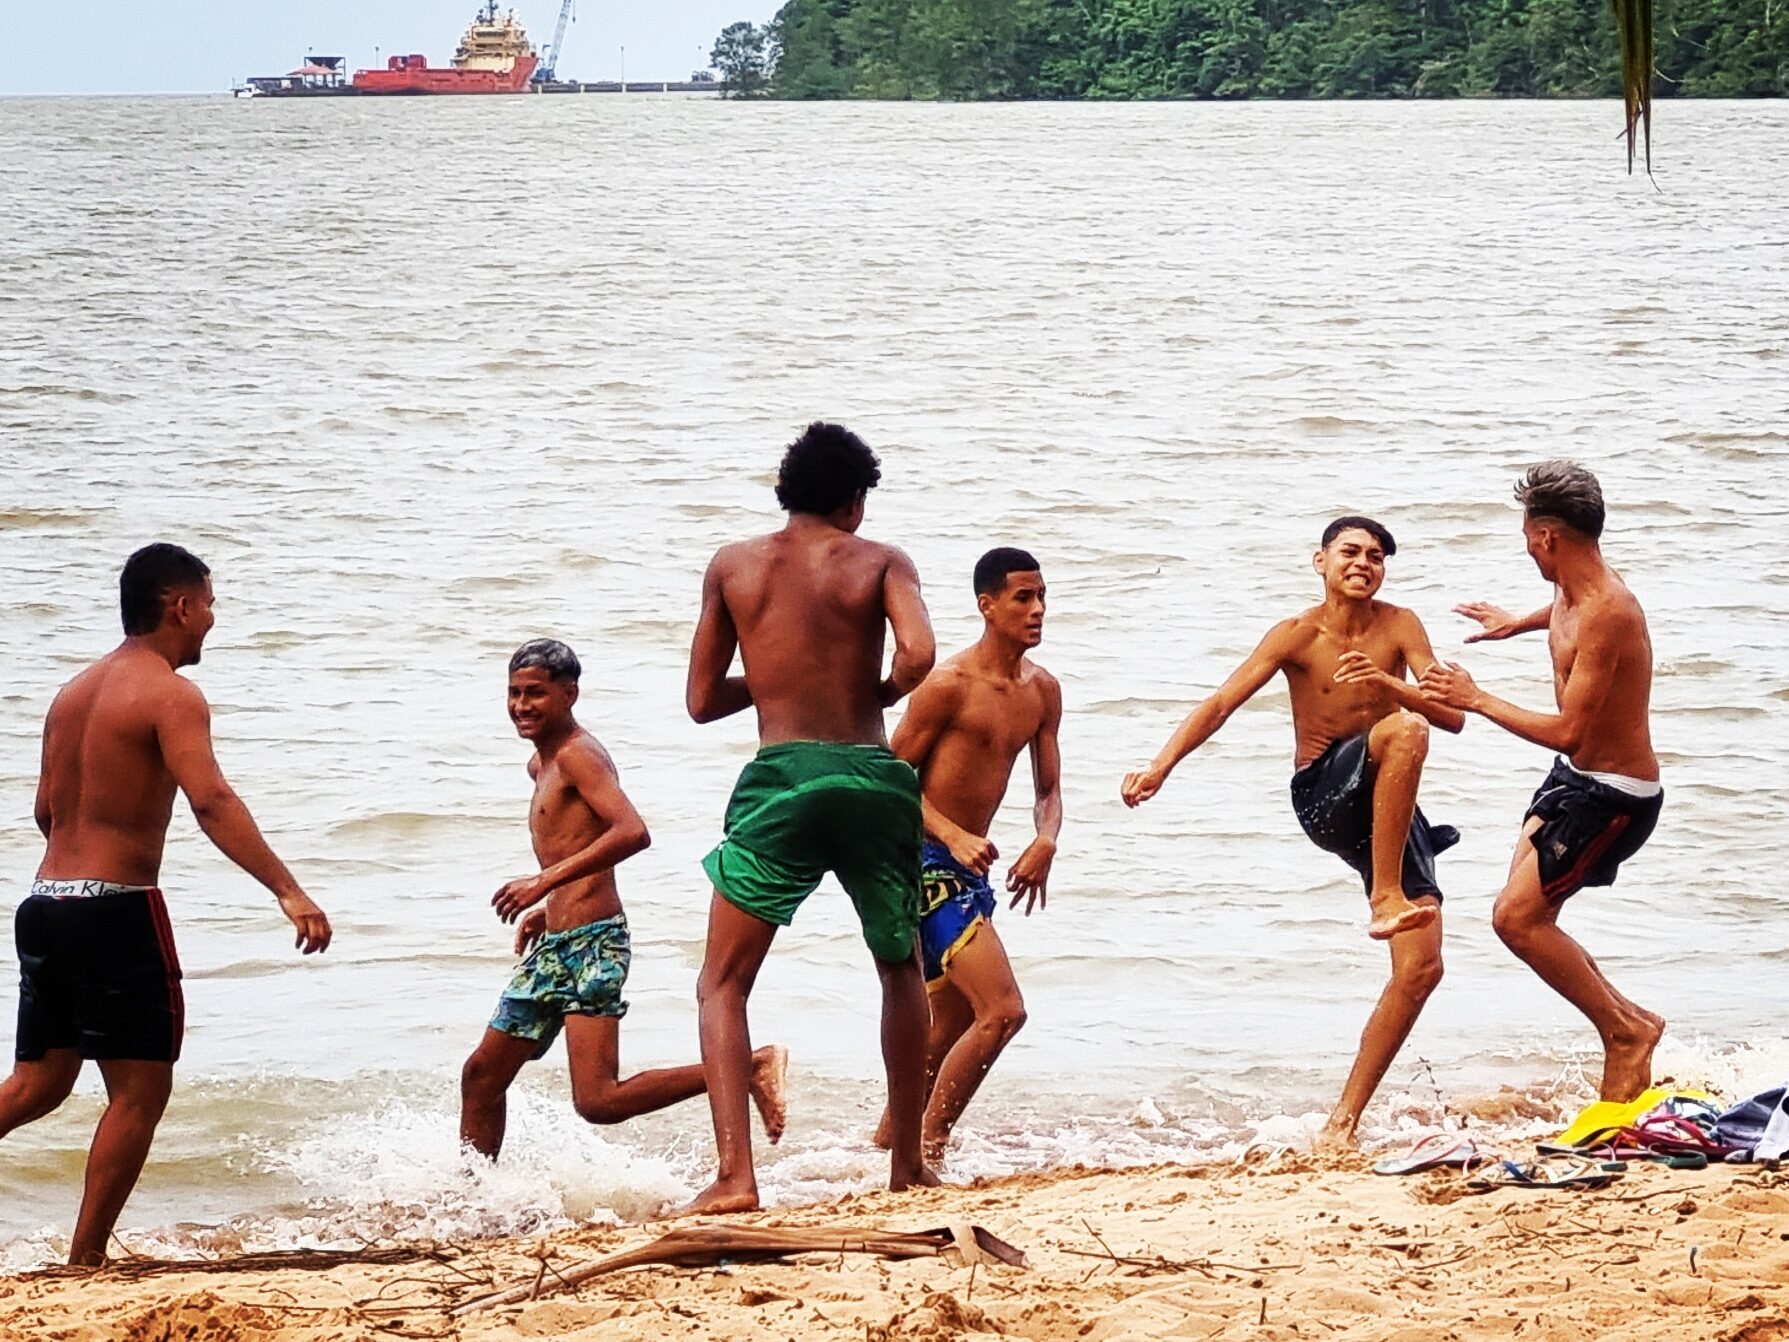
(632, 86)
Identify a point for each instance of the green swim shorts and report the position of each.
(804, 808)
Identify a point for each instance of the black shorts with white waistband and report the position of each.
(98, 973)
(1588, 829)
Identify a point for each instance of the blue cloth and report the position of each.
(1759, 1125)
(954, 903)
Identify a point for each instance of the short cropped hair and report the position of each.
(993, 568)
(150, 576)
(549, 655)
(1355, 523)
(1563, 491)
(825, 469)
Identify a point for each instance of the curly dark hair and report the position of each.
(825, 469)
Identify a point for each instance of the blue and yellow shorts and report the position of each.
(954, 903)
(577, 972)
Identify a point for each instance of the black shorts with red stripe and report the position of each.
(1588, 829)
(98, 973)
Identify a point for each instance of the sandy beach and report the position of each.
(1286, 1247)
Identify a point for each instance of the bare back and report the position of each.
(1602, 657)
(106, 787)
(810, 613)
(1325, 711)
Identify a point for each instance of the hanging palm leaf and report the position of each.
(1633, 33)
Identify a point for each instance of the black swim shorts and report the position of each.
(1333, 799)
(1588, 829)
(98, 973)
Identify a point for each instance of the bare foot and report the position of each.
(720, 1199)
(1627, 1058)
(924, 1178)
(1394, 914)
(931, 1149)
(1335, 1139)
(770, 1089)
(884, 1138)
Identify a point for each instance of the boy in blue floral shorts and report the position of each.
(583, 826)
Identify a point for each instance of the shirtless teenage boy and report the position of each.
(1362, 734)
(99, 977)
(1602, 799)
(807, 608)
(963, 732)
(583, 827)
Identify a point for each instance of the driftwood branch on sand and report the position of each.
(709, 1245)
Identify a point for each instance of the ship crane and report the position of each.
(548, 72)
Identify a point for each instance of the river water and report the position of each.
(423, 379)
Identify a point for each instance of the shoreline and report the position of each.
(1282, 1247)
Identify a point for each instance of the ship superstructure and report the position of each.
(495, 56)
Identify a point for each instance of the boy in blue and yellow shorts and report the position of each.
(963, 733)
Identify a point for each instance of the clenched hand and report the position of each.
(1140, 786)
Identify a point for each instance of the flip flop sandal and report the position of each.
(1601, 1116)
(1672, 1135)
(1441, 1150)
(1548, 1172)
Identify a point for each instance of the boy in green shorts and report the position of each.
(808, 609)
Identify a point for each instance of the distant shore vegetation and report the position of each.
(1008, 49)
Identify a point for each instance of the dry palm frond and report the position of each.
(1633, 33)
(704, 1245)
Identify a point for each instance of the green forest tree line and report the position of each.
(976, 49)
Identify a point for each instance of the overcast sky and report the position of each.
(157, 46)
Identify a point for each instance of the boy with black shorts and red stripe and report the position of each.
(1601, 800)
(99, 977)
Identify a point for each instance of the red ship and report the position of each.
(495, 56)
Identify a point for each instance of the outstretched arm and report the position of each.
(1498, 623)
(597, 785)
(1354, 667)
(1599, 652)
(183, 730)
(1031, 873)
(1257, 669)
(712, 694)
(915, 649)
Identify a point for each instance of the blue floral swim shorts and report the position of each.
(577, 972)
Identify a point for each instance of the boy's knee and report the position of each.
(597, 1107)
(1421, 978)
(1005, 1018)
(1409, 730)
(1513, 926)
